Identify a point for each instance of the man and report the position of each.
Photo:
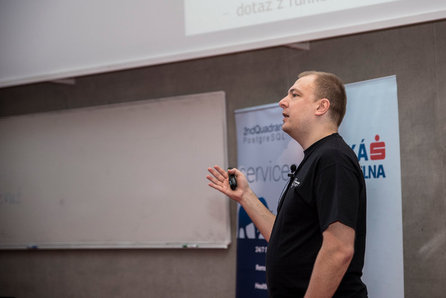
(316, 243)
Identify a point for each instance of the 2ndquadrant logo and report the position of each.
(259, 134)
(371, 157)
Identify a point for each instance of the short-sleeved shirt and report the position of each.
(327, 187)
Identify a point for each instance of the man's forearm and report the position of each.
(262, 218)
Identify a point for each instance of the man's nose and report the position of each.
(283, 102)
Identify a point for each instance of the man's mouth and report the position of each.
(285, 115)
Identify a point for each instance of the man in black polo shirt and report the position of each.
(316, 242)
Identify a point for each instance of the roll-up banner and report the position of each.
(265, 154)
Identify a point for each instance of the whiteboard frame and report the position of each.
(190, 244)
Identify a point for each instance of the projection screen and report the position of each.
(52, 39)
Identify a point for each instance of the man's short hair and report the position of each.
(328, 85)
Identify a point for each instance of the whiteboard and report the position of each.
(52, 39)
(118, 176)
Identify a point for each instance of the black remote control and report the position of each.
(232, 181)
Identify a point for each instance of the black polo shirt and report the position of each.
(328, 186)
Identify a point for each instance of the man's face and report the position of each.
(298, 107)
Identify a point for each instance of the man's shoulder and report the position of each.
(335, 145)
(336, 151)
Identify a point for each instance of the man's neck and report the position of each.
(318, 135)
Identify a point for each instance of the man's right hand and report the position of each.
(219, 179)
(259, 214)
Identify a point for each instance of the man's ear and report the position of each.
(322, 106)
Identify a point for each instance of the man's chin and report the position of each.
(285, 129)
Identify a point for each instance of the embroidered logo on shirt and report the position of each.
(295, 183)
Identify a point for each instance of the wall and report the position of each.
(416, 54)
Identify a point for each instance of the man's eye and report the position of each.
(294, 95)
